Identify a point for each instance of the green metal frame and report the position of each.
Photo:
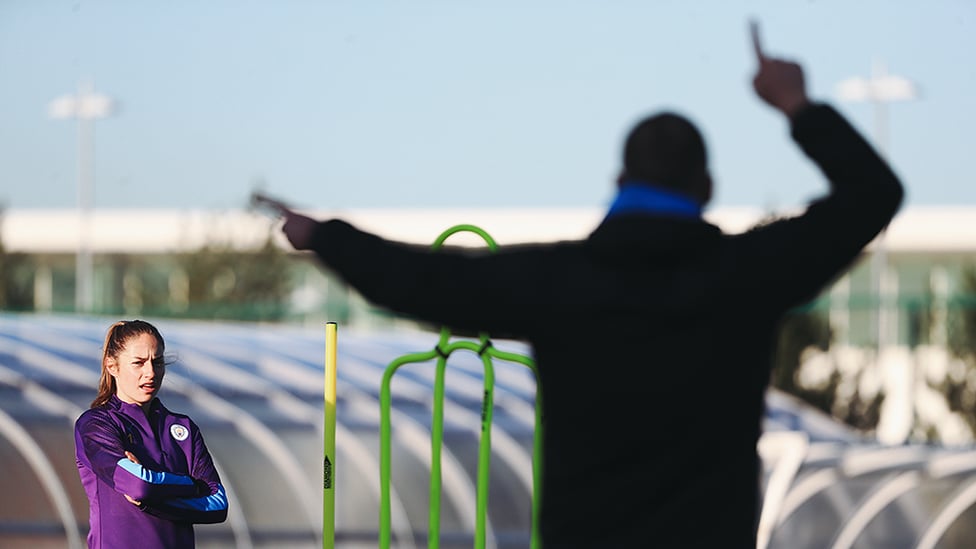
(445, 347)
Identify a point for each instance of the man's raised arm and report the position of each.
(778, 82)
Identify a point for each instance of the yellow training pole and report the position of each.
(328, 484)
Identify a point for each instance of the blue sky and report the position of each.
(439, 103)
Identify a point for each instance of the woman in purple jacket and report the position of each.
(146, 470)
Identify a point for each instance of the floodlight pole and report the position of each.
(86, 106)
(880, 89)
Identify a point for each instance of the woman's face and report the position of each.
(138, 370)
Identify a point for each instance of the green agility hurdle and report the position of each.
(444, 348)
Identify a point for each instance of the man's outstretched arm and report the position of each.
(298, 228)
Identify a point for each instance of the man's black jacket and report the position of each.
(653, 339)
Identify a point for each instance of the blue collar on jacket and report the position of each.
(640, 197)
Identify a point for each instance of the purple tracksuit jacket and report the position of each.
(175, 478)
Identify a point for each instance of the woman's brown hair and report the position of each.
(115, 340)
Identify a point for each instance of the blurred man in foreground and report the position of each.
(652, 419)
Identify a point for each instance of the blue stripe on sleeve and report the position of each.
(214, 502)
(154, 477)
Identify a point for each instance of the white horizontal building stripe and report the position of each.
(921, 228)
